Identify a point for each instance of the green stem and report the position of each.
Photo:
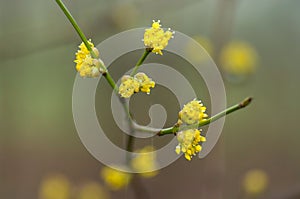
(140, 190)
(111, 82)
(129, 146)
(131, 139)
(140, 62)
(76, 27)
(176, 128)
(145, 129)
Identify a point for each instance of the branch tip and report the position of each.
(246, 102)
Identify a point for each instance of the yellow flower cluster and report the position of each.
(238, 58)
(86, 65)
(192, 113)
(115, 179)
(130, 85)
(188, 142)
(156, 38)
(145, 82)
(145, 162)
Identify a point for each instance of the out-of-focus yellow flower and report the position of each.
(86, 65)
(238, 58)
(193, 112)
(189, 142)
(145, 162)
(156, 38)
(128, 86)
(255, 182)
(115, 179)
(192, 50)
(145, 82)
(205, 43)
(92, 190)
(55, 187)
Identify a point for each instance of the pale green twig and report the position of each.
(176, 128)
(141, 61)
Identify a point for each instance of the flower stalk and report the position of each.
(176, 128)
(75, 25)
(141, 61)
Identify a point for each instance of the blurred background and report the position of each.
(255, 44)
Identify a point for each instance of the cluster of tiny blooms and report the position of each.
(192, 112)
(130, 85)
(86, 65)
(156, 38)
(255, 182)
(145, 162)
(238, 58)
(189, 142)
(55, 186)
(115, 179)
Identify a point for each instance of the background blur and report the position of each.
(37, 134)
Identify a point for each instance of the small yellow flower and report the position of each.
(145, 82)
(145, 162)
(189, 142)
(205, 43)
(90, 67)
(92, 190)
(193, 112)
(115, 179)
(156, 38)
(55, 186)
(255, 182)
(129, 86)
(85, 64)
(238, 58)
